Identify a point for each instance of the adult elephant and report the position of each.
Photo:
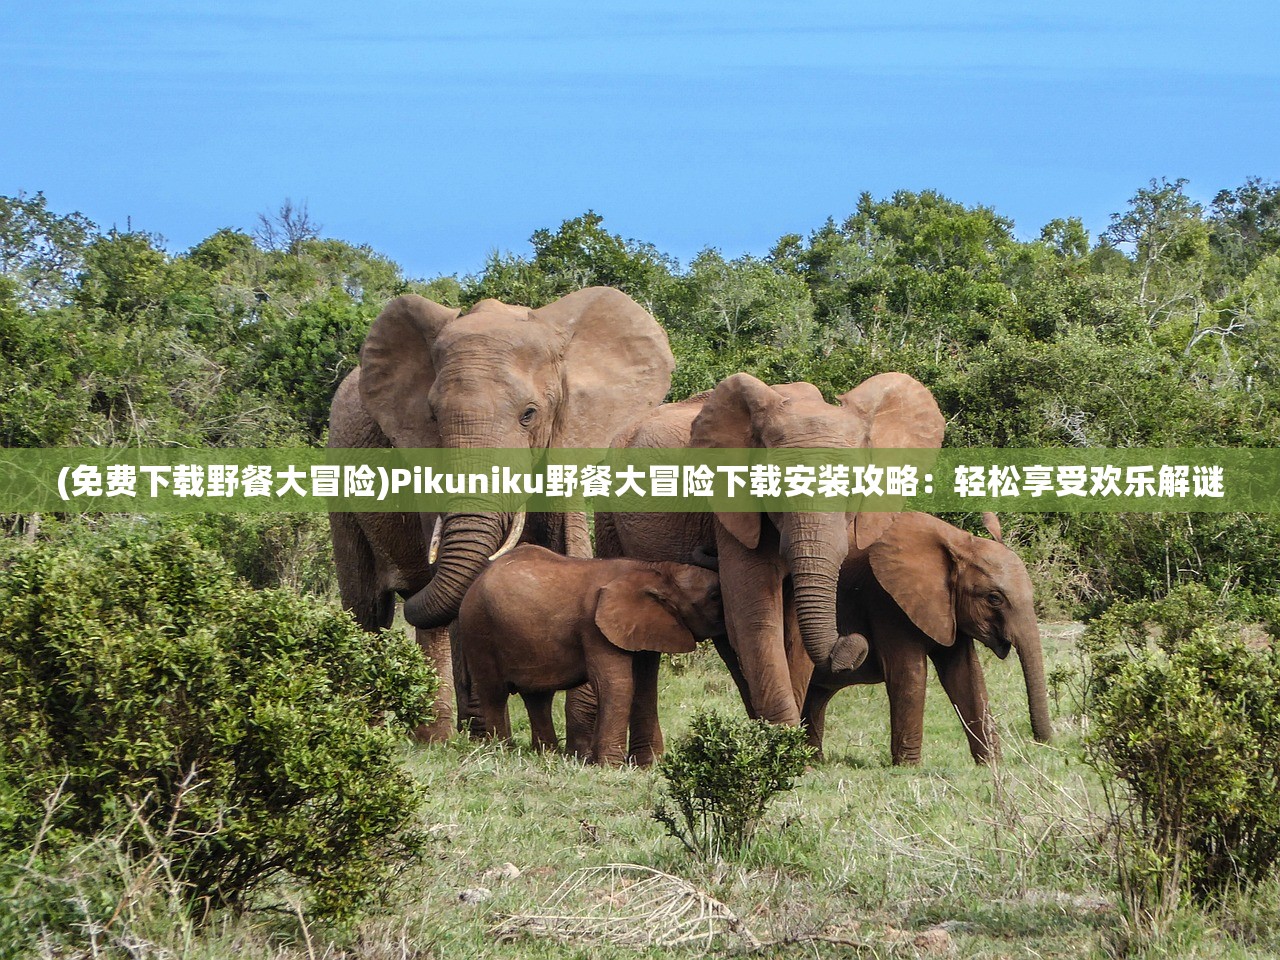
(778, 571)
(569, 374)
(926, 590)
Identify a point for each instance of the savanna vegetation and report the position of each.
(1163, 331)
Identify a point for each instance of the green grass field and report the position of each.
(860, 851)
(861, 859)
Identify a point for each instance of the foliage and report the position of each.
(579, 254)
(250, 735)
(270, 549)
(40, 251)
(1164, 332)
(1184, 701)
(1246, 224)
(304, 357)
(721, 777)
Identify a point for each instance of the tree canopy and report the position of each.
(1162, 331)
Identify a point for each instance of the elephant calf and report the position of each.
(926, 590)
(535, 622)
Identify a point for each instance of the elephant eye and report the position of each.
(526, 418)
(995, 599)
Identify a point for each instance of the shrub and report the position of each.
(721, 777)
(1185, 708)
(249, 734)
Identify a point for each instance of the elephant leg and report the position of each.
(814, 716)
(469, 717)
(579, 720)
(438, 650)
(577, 538)
(752, 584)
(611, 676)
(608, 543)
(544, 729)
(962, 678)
(905, 682)
(735, 670)
(646, 733)
(494, 717)
(373, 607)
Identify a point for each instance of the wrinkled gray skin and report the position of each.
(778, 571)
(569, 374)
(536, 622)
(926, 590)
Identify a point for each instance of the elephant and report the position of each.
(778, 571)
(535, 622)
(569, 374)
(927, 590)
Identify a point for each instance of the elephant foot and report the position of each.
(473, 727)
(610, 760)
(848, 653)
(436, 732)
(643, 758)
(986, 757)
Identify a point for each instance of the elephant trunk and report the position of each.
(815, 570)
(1031, 656)
(466, 543)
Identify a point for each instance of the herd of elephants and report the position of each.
(798, 604)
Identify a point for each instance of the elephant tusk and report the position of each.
(517, 528)
(434, 550)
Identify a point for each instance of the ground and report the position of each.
(861, 859)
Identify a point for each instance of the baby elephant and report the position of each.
(925, 590)
(535, 622)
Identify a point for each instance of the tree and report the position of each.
(222, 250)
(304, 357)
(41, 251)
(732, 300)
(1246, 224)
(1169, 240)
(124, 273)
(846, 270)
(287, 227)
(933, 233)
(583, 254)
(1067, 238)
(41, 401)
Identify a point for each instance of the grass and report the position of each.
(1009, 859)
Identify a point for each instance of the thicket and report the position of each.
(721, 777)
(233, 738)
(1163, 331)
(1183, 696)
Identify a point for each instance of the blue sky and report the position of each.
(437, 132)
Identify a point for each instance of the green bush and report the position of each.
(1184, 702)
(721, 777)
(242, 736)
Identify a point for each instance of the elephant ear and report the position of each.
(867, 528)
(916, 566)
(893, 410)
(617, 364)
(896, 411)
(632, 616)
(396, 371)
(730, 419)
(992, 523)
(799, 390)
